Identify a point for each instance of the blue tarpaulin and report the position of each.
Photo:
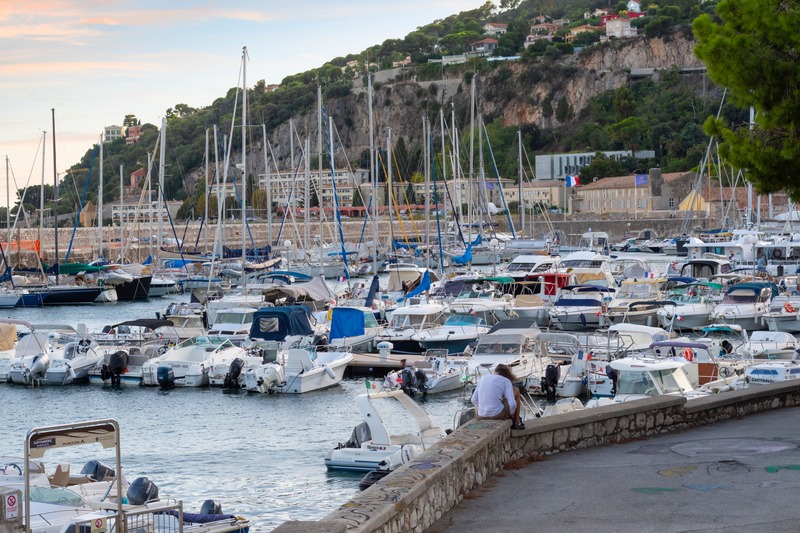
(346, 322)
(424, 285)
(277, 323)
(465, 259)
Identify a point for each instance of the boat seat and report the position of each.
(298, 361)
(137, 359)
(425, 365)
(60, 478)
(528, 300)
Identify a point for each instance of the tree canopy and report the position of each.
(751, 48)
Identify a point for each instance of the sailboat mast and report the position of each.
(55, 193)
(41, 190)
(471, 176)
(521, 202)
(150, 200)
(205, 207)
(372, 173)
(100, 200)
(161, 178)
(121, 217)
(389, 182)
(8, 205)
(307, 193)
(427, 170)
(218, 228)
(244, 162)
(444, 166)
(268, 186)
(319, 176)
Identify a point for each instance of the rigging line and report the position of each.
(78, 214)
(328, 137)
(27, 185)
(499, 183)
(399, 220)
(436, 206)
(405, 195)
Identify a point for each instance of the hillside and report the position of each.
(646, 92)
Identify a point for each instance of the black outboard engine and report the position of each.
(422, 381)
(211, 507)
(409, 384)
(165, 376)
(97, 471)
(141, 491)
(550, 380)
(232, 378)
(613, 375)
(117, 363)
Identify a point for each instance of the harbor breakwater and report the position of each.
(413, 497)
(85, 241)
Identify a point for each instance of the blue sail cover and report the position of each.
(346, 322)
(424, 285)
(277, 323)
(465, 259)
(478, 241)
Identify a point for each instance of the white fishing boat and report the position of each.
(771, 345)
(298, 371)
(579, 307)
(188, 363)
(511, 343)
(633, 378)
(233, 324)
(436, 373)
(635, 302)
(458, 332)
(694, 303)
(745, 304)
(371, 446)
(407, 321)
(783, 314)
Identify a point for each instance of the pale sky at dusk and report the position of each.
(95, 61)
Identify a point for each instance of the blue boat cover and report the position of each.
(424, 285)
(465, 259)
(277, 323)
(346, 322)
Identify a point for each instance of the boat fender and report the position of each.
(330, 372)
(789, 308)
(688, 354)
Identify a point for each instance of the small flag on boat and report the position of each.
(342, 278)
(680, 318)
(370, 385)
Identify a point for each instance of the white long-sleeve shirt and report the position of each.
(489, 394)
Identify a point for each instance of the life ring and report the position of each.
(675, 265)
(777, 254)
(688, 354)
(789, 308)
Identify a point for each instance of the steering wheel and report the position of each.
(13, 465)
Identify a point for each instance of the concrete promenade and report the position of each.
(741, 474)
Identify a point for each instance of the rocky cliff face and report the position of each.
(513, 91)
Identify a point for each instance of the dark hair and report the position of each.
(505, 371)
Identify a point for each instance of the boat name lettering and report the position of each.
(44, 443)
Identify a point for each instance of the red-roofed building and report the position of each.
(482, 48)
(495, 28)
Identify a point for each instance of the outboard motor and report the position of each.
(232, 378)
(422, 381)
(613, 375)
(550, 381)
(38, 369)
(211, 507)
(165, 376)
(409, 384)
(98, 471)
(117, 363)
(141, 491)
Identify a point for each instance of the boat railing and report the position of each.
(163, 516)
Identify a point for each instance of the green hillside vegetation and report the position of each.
(664, 115)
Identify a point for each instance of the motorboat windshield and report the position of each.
(638, 291)
(651, 382)
(740, 296)
(234, 317)
(463, 320)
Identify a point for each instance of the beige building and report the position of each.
(654, 194)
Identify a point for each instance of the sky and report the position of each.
(94, 61)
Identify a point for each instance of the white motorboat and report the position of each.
(511, 343)
(771, 345)
(72, 362)
(694, 303)
(353, 329)
(579, 307)
(188, 319)
(783, 314)
(524, 265)
(407, 321)
(458, 332)
(589, 267)
(289, 326)
(768, 372)
(189, 362)
(633, 378)
(703, 364)
(233, 324)
(436, 373)
(745, 304)
(567, 374)
(371, 446)
(635, 303)
(124, 366)
(297, 371)
(161, 286)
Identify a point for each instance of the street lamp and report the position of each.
(493, 246)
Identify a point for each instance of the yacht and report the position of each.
(745, 304)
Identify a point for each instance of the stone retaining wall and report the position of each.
(417, 494)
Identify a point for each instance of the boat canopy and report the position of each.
(277, 323)
(587, 287)
(755, 287)
(145, 323)
(346, 322)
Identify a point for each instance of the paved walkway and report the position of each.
(737, 475)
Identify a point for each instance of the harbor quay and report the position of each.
(85, 240)
(723, 462)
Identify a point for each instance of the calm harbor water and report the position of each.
(261, 456)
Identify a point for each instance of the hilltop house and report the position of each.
(620, 28)
(542, 31)
(574, 32)
(495, 28)
(482, 48)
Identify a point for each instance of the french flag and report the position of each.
(572, 181)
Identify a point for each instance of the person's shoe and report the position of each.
(518, 426)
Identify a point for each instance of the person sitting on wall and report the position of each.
(496, 398)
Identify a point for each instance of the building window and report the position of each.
(671, 203)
